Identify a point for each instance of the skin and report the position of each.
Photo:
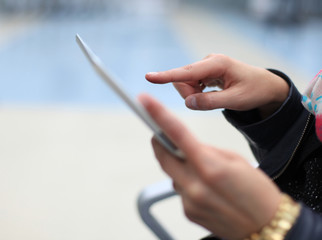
(219, 189)
(245, 87)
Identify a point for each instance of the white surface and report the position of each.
(76, 174)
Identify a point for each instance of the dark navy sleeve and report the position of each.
(260, 131)
(273, 139)
(307, 227)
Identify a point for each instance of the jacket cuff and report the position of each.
(307, 226)
(260, 131)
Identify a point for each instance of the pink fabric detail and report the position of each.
(312, 101)
(318, 126)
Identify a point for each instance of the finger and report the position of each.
(176, 187)
(183, 89)
(193, 72)
(186, 90)
(228, 98)
(177, 170)
(171, 126)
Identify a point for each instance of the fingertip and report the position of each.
(206, 101)
(151, 105)
(144, 99)
(150, 76)
(191, 102)
(154, 142)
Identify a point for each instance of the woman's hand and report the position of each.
(244, 87)
(220, 190)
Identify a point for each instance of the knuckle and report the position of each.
(190, 210)
(222, 58)
(191, 215)
(217, 56)
(222, 174)
(188, 67)
(211, 177)
(211, 55)
(196, 194)
(175, 186)
(215, 170)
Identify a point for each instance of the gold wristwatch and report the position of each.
(285, 216)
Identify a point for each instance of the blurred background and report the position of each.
(73, 157)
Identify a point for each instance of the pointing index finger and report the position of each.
(191, 72)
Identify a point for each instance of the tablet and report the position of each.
(133, 104)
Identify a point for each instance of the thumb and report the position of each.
(171, 126)
(210, 100)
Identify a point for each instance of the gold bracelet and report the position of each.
(285, 216)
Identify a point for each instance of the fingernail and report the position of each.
(152, 73)
(191, 102)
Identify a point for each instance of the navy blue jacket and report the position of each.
(288, 151)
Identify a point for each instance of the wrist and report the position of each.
(278, 94)
(283, 220)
